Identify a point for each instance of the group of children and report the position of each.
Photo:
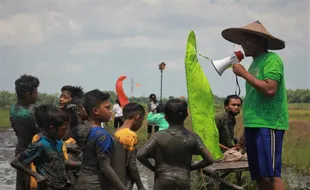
(65, 147)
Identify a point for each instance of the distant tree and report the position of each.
(45, 98)
(8, 98)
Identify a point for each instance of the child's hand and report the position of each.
(71, 107)
(42, 181)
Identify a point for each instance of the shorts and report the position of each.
(149, 128)
(264, 151)
(169, 184)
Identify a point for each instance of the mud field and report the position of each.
(7, 173)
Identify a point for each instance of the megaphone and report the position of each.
(222, 64)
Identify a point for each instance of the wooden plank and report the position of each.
(227, 167)
(215, 169)
(230, 165)
(230, 184)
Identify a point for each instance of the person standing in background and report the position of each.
(152, 107)
(118, 114)
(158, 118)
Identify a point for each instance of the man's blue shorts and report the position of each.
(264, 151)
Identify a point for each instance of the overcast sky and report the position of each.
(93, 42)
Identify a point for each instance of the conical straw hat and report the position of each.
(235, 35)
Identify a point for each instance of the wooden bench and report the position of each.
(218, 172)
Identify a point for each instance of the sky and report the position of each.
(93, 42)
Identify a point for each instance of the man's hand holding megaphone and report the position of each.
(268, 86)
(239, 70)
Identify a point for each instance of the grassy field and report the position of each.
(296, 146)
(4, 119)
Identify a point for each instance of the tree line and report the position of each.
(7, 98)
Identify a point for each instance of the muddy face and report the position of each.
(64, 99)
(103, 112)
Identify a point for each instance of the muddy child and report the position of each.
(97, 146)
(23, 121)
(33, 182)
(173, 149)
(126, 140)
(41, 115)
(71, 100)
(47, 154)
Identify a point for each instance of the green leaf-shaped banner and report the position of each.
(201, 101)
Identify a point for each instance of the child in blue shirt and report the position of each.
(47, 154)
(158, 118)
(97, 145)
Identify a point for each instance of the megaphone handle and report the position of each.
(239, 89)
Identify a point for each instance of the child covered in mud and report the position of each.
(71, 100)
(23, 121)
(126, 140)
(158, 118)
(173, 149)
(46, 153)
(97, 146)
(41, 115)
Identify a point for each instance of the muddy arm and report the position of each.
(73, 148)
(19, 166)
(145, 153)
(74, 116)
(73, 165)
(22, 161)
(103, 144)
(133, 170)
(204, 153)
(109, 173)
(207, 160)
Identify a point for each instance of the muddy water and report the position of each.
(7, 147)
(7, 173)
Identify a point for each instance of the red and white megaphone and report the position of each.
(222, 64)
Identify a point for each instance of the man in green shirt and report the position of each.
(265, 109)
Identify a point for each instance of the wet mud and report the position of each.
(7, 173)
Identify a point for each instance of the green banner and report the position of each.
(200, 99)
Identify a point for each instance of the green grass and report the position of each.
(4, 119)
